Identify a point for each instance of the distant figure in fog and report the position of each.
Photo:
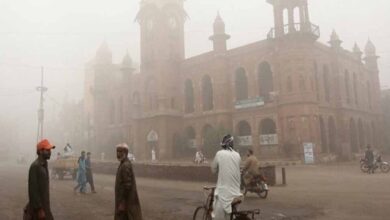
(89, 172)
(153, 155)
(199, 157)
(127, 205)
(81, 175)
(369, 156)
(38, 184)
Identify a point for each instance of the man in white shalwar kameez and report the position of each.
(227, 164)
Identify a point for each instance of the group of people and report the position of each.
(127, 205)
(84, 174)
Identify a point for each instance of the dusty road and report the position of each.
(313, 192)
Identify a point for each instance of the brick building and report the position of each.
(273, 95)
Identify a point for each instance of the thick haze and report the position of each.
(63, 35)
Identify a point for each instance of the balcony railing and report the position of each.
(297, 28)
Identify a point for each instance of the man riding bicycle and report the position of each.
(227, 164)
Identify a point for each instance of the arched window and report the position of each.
(266, 81)
(189, 96)
(207, 93)
(302, 84)
(355, 85)
(347, 87)
(289, 84)
(241, 84)
(324, 139)
(244, 129)
(353, 136)
(332, 135)
(267, 131)
(244, 132)
(326, 83)
(112, 112)
(267, 126)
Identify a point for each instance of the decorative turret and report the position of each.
(295, 25)
(335, 41)
(371, 57)
(357, 52)
(219, 37)
(103, 54)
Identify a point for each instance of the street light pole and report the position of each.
(42, 90)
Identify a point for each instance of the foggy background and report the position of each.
(64, 35)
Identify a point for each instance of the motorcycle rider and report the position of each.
(369, 156)
(251, 167)
(227, 164)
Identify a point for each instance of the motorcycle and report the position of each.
(378, 163)
(257, 185)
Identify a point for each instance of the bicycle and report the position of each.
(204, 212)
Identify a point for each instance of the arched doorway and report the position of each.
(152, 140)
(362, 140)
(324, 138)
(332, 135)
(353, 136)
(210, 141)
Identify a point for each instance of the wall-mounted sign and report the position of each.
(268, 139)
(308, 151)
(244, 140)
(152, 136)
(249, 103)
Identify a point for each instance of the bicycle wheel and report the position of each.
(201, 213)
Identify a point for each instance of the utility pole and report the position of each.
(41, 111)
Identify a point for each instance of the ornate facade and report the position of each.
(274, 95)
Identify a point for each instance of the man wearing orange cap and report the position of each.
(38, 183)
(127, 205)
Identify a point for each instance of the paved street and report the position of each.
(313, 192)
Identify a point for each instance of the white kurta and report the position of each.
(227, 164)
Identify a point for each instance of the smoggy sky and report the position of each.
(63, 35)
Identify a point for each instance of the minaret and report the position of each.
(127, 66)
(357, 52)
(371, 57)
(335, 41)
(219, 37)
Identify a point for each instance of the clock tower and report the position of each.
(162, 32)
(162, 53)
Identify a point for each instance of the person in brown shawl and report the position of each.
(127, 205)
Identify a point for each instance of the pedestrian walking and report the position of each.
(81, 175)
(127, 205)
(38, 207)
(89, 172)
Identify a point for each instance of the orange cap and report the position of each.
(45, 145)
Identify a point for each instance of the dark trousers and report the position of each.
(90, 179)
